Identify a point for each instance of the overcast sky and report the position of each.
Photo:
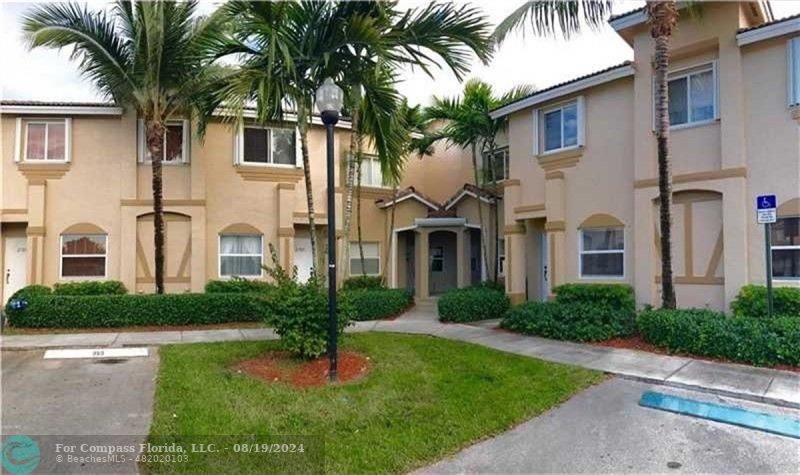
(50, 75)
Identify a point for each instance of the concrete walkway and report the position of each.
(744, 382)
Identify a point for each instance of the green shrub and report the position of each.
(752, 301)
(709, 333)
(472, 304)
(615, 296)
(90, 287)
(30, 291)
(575, 321)
(375, 304)
(82, 311)
(237, 285)
(363, 282)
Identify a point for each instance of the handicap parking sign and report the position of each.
(766, 209)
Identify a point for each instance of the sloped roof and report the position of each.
(769, 23)
(11, 102)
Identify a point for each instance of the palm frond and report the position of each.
(554, 17)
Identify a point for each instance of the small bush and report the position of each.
(30, 291)
(363, 282)
(570, 321)
(472, 304)
(708, 333)
(616, 296)
(237, 285)
(375, 304)
(752, 301)
(90, 287)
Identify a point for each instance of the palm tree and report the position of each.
(467, 124)
(149, 56)
(547, 17)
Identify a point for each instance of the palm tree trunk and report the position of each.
(358, 216)
(350, 166)
(662, 17)
(494, 210)
(302, 126)
(390, 238)
(476, 176)
(155, 145)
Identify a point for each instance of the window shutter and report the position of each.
(581, 107)
(141, 145)
(187, 141)
(68, 139)
(535, 121)
(18, 141)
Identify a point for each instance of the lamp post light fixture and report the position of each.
(329, 102)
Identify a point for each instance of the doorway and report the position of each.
(442, 262)
(15, 257)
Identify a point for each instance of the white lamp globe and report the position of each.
(329, 97)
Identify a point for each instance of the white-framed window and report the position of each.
(501, 257)
(272, 146)
(175, 146)
(46, 140)
(786, 248)
(793, 71)
(559, 127)
(371, 171)
(602, 252)
(240, 255)
(372, 259)
(84, 255)
(693, 95)
(500, 163)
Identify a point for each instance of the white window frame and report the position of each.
(220, 255)
(793, 279)
(686, 73)
(21, 148)
(581, 253)
(373, 160)
(503, 151)
(185, 145)
(356, 256)
(239, 147)
(61, 256)
(539, 138)
(793, 72)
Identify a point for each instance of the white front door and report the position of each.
(15, 274)
(302, 258)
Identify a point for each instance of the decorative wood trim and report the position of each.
(149, 202)
(529, 208)
(185, 259)
(286, 186)
(141, 258)
(688, 242)
(739, 172)
(35, 230)
(559, 160)
(286, 232)
(266, 173)
(554, 175)
(694, 280)
(513, 229)
(601, 220)
(37, 181)
(716, 256)
(243, 229)
(555, 226)
(14, 211)
(45, 171)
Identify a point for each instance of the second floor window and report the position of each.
(561, 127)
(500, 163)
(45, 140)
(175, 144)
(371, 172)
(692, 95)
(269, 146)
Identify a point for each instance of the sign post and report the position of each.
(766, 214)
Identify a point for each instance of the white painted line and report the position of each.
(96, 353)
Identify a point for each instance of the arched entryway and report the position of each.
(442, 261)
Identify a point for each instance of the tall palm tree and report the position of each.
(547, 17)
(467, 124)
(149, 56)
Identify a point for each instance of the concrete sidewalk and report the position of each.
(739, 381)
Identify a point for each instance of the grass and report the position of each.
(425, 398)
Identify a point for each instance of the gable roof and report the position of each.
(409, 193)
(772, 29)
(470, 190)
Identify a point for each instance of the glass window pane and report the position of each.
(786, 263)
(256, 145)
(55, 141)
(83, 244)
(240, 244)
(173, 147)
(283, 146)
(702, 85)
(571, 125)
(34, 146)
(603, 239)
(678, 98)
(377, 176)
(83, 266)
(552, 130)
(240, 266)
(786, 232)
(607, 265)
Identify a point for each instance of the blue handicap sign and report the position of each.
(766, 202)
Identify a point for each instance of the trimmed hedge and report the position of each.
(472, 304)
(617, 296)
(757, 341)
(363, 282)
(238, 285)
(570, 321)
(46, 310)
(752, 301)
(376, 304)
(90, 287)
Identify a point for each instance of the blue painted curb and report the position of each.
(772, 423)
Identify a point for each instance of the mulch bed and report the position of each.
(281, 366)
(636, 342)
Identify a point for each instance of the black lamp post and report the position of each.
(329, 102)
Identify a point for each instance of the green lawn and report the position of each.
(425, 398)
